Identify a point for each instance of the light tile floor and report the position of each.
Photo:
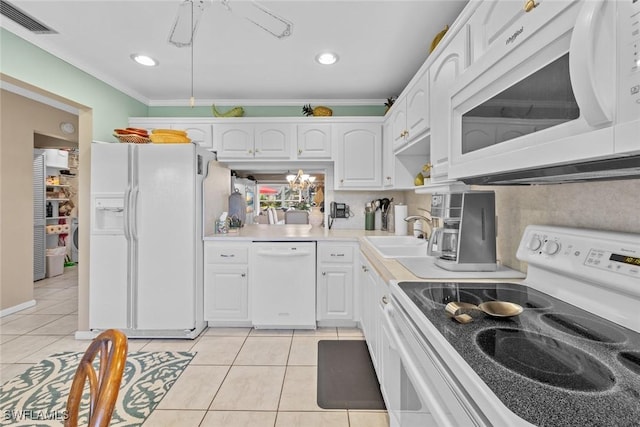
(239, 377)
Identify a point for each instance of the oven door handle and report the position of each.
(595, 107)
(420, 385)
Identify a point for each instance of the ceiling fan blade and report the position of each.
(186, 23)
(264, 18)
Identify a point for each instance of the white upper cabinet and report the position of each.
(409, 118)
(233, 141)
(198, 133)
(398, 123)
(418, 107)
(358, 155)
(450, 63)
(314, 141)
(250, 140)
(388, 159)
(273, 141)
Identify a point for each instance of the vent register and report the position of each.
(18, 16)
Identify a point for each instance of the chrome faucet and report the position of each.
(414, 218)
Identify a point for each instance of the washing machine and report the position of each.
(74, 239)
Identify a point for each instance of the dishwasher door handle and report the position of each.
(283, 253)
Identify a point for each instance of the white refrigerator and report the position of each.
(146, 246)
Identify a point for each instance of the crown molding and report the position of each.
(40, 41)
(10, 87)
(265, 102)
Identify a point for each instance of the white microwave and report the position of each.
(557, 100)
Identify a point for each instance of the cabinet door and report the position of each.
(226, 292)
(368, 282)
(443, 73)
(335, 292)
(314, 141)
(399, 124)
(199, 133)
(273, 141)
(388, 158)
(418, 108)
(233, 141)
(358, 149)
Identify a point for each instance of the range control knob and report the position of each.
(551, 247)
(535, 243)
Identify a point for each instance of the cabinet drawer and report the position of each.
(226, 254)
(342, 254)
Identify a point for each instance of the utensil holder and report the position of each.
(370, 221)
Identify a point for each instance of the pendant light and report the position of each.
(192, 100)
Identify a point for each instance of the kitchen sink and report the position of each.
(398, 246)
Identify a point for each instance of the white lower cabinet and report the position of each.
(226, 284)
(370, 319)
(335, 284)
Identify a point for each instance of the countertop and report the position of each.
(388, 268)
(292, 232)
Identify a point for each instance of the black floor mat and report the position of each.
(346, 378)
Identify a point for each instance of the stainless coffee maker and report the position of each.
(466, 241)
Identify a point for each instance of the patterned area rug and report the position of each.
(38, 397)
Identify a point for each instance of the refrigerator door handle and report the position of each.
(127, 209)
(134, 214)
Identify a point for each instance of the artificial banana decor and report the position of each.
(437, 38)
(234, 112)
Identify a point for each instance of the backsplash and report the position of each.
(610, 205)
(356, 201)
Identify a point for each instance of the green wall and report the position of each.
(266, 111)
(28, 63)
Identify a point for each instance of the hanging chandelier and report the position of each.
(300, 181)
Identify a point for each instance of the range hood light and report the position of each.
(144, 60)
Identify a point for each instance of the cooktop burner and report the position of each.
(586, 328)
(631, 360)
(444, 293)
(545, 359)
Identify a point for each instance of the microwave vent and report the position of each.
(19, 17)
(598, 170)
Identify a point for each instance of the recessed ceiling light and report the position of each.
(327, 58)
(144, 60)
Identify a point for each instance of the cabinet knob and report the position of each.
(257, 151)
(388, 178)
(324, 273)
(250, 151)
(243, 275)
(385, 300)
(341, 181)
(299, 151)
(529, 5)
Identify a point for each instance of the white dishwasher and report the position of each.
(283, 285)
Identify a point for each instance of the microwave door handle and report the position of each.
(593, 107)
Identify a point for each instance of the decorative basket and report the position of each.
(132, 139)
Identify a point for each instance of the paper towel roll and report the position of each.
(400, 223)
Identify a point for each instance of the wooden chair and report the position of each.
(104, 386)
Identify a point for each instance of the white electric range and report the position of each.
(571, 358)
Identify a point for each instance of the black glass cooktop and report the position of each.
(551, 356)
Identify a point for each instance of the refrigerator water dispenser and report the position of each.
(108, 215)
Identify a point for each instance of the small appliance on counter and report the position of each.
(467, 239)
